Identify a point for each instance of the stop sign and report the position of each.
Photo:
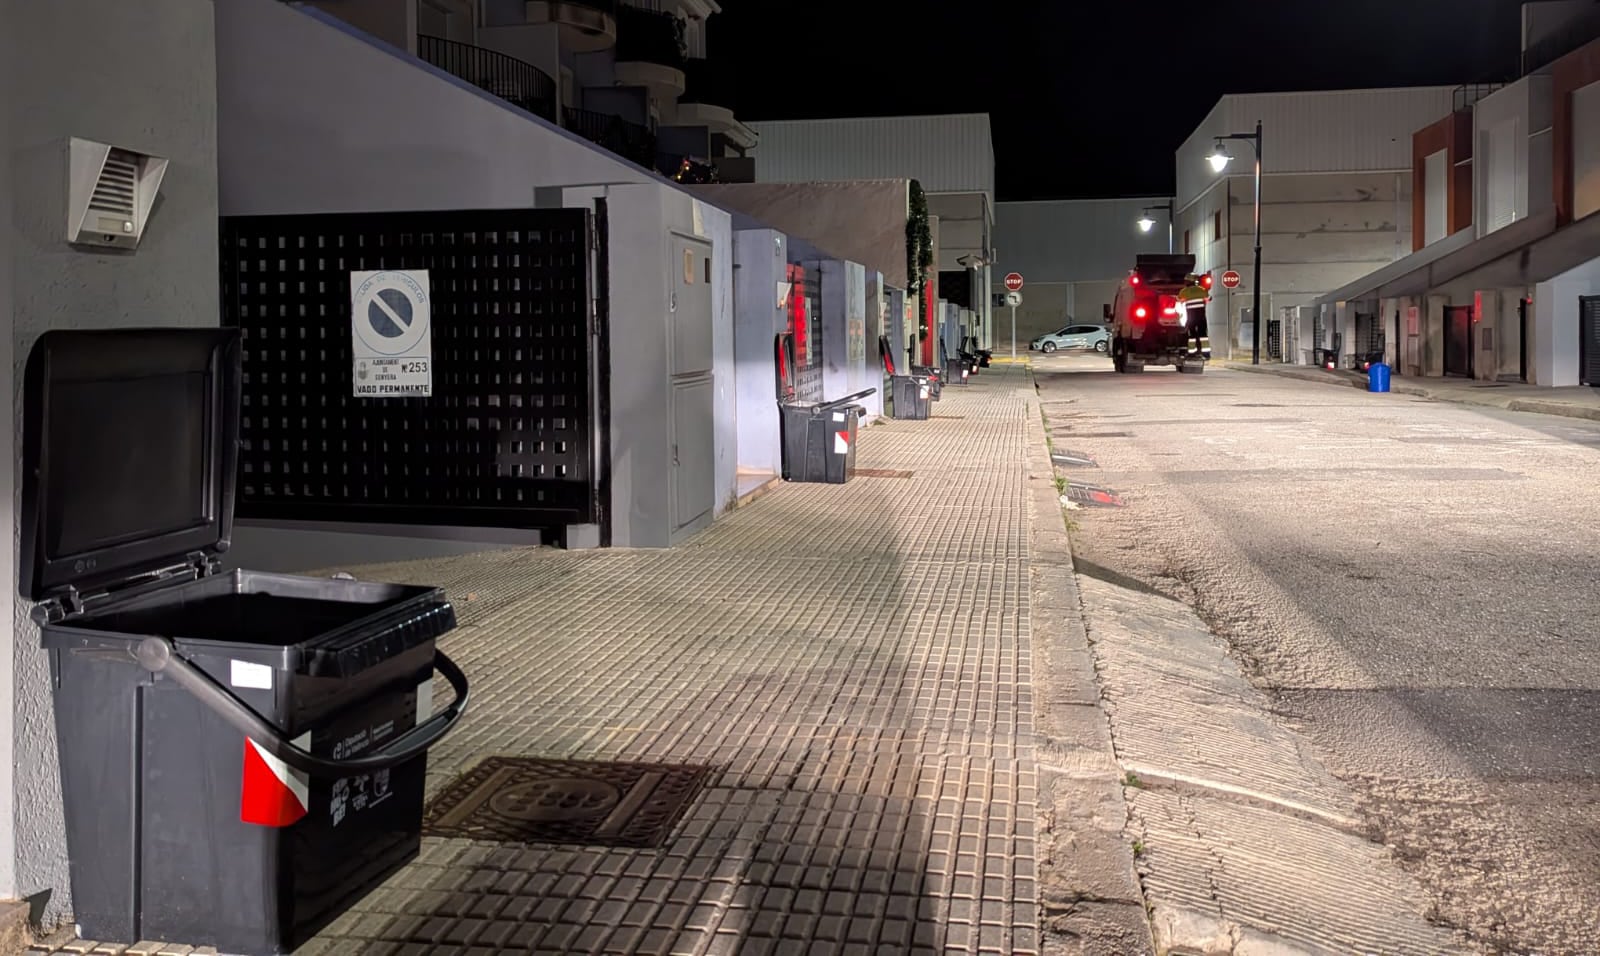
(1014, 282)
(1230, 279)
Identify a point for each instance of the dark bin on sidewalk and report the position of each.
(913, 397)
(242, 754)
(910, 396)
(819, 440)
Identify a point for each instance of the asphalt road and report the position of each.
(1416, 584)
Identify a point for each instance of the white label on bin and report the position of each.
(841, 444)
(254, 676)
(424, 701)
(838, 416)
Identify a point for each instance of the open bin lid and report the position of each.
(130, 439)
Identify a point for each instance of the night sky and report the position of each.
(1091, 99)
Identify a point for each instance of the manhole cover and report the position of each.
(881, 473)
(1079, 459)
(528, 800)
(1093, 497)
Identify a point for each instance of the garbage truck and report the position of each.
(1159, 317)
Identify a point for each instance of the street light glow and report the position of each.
(1146, 224)
(1219, 159)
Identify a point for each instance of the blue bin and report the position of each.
(1378, 378)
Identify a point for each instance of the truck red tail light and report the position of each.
(1205, 280)
(1134, 279)
(1140, 312)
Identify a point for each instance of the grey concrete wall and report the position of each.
(8, 556)
(762, 256)
(141, 78)
(1071, 241)
(863, 222)
(717, 225)
(392, 21)
(405, 137)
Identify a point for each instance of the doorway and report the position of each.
(692, 479)
(1589, 341)
(1522, 338)
(1458, 340)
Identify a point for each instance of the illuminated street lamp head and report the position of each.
(1219, 158)
(1146, 223)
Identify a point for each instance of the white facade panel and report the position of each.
(1511, 164)
(1505, 185)
(953, 153)
(1586, 151)
(1074, 241)
(1436, 197)
(1333, 131)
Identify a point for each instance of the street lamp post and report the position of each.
(1146, 223)
(1219, 161)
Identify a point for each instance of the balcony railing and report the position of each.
(628, 140)
(649, 37)
(518, 83)
(1468, 96)
(1569, 37)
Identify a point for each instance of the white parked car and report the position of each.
(1073, 337)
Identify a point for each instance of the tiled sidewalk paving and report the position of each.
(854, 657)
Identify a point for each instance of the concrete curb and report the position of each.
(1089, 894)
(1356, 380)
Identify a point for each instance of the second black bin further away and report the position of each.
(242, 754)
(819, 440)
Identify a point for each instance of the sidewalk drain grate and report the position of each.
(528, 800)
(882, 473)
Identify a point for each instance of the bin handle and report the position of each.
(157, 655)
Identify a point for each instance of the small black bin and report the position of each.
(242, 754)
(913, 397)
(819, 440)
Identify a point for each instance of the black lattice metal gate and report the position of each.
(1589, 340)
(511, 435)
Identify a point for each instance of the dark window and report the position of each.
(1216, 226)
(1186, 249)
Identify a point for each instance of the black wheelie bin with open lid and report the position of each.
(242, 754)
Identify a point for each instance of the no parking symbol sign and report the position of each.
(391, 338)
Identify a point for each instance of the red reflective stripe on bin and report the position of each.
(841, 443)
(272, 794)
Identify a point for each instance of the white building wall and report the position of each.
(149, 87)
(1312, 132)
(950, 153)
(435, 142)
(1318, 232)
